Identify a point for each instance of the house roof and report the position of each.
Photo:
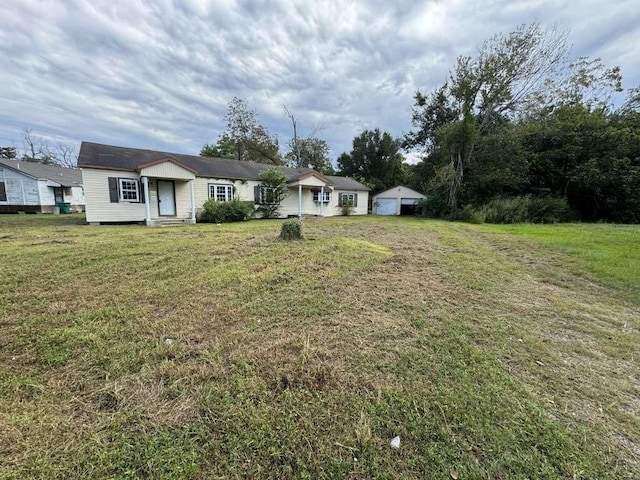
(96, 155)
(346, 183)
(67, 177)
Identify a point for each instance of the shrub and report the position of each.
(291, 230)
(224, 212)
(522, 209)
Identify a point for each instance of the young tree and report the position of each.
(375, 159)
(271, 191)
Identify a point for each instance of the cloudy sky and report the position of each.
(159, 74)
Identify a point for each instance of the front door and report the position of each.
(166, 198)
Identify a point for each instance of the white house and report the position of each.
(33, 187)
(134, 185)
(398, 200)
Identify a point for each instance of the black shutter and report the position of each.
(339, 199)
(256, 194)
(113, 190)
(141, 190)
(355, 200)
(3, 192)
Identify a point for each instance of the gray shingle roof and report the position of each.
(96, 155)
(67, 177)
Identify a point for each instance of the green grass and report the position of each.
(220, 352)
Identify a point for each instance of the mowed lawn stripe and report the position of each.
(217, 351)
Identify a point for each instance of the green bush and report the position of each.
(523, 209)
(291, 230)
(224, 212)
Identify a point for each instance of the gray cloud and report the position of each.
(160, 74)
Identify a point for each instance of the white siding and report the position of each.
(361, 209)
(167, 170)
(47, 196)
(77, 197)
(98, 205)
(21, 189)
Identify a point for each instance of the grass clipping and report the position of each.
(291, 230)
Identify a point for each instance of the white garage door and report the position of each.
(386, 206)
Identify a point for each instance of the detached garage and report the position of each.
(396, 201)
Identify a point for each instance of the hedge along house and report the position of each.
(33, 187)
(134, 185)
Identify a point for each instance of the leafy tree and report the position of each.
(309, 152)
(271, 191)
(375, 159)
(225, 147)
(508, 71)
(251, 140)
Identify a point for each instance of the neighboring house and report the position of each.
(33, 187)
(133, 185)
(398, 200)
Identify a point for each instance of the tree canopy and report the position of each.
(375, 159)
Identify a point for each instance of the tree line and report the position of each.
(517, 132)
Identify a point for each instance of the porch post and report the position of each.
(145, 182)
(322, 201)
(193, 201)
(299, 200)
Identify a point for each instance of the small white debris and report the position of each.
(395, 442)
(355, 459)
(169, 341)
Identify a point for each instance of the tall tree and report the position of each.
(508, 71)
(375, 159)
(252, 140)
(310, 151)
(37, 149)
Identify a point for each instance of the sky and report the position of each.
(159, 74)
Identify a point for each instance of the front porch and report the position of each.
(169, 195)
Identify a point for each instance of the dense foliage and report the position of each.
(375, 159)
(224, 212)
(503, 143)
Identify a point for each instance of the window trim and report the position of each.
(263, 194)
(122, 190)
(350, 197)
(326, 196)
(213, 191)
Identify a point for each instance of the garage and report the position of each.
(399, 200)
(386, 206)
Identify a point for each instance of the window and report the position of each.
(266, 195)
(3, 192)
(129, 191)
(326, 196)
(221, 193)
(348, 199)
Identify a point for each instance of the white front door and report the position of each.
(166, 198)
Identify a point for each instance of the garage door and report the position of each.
(409, 206)
(386, 206)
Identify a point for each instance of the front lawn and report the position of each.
(213, 351)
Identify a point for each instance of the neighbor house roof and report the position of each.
(96, 155)
(67, 177)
